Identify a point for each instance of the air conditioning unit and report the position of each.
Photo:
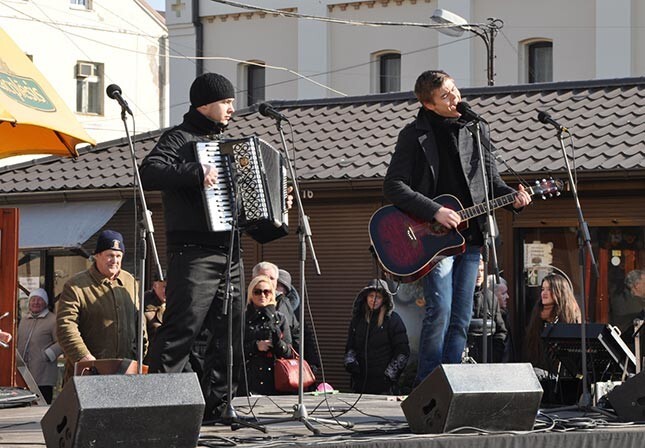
(84, 70)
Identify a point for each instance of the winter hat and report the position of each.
(109, 239)
(40, 292)
(284, 278)
(210, 87)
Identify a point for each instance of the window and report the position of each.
(81, 4)
(251, 77)
(389, 72)
(255, 83)
(540, 61)
(89, 85)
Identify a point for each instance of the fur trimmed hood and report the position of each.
(374, 285)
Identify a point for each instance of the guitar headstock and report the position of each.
(547, 188)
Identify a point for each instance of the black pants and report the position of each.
(195, 297)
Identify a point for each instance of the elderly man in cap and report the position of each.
(37, 342)
(97, 310)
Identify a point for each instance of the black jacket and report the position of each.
(264, 324)
(497, 337)
(376, 355)
(411, 179)
(172, 168)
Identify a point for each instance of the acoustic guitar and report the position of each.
(408, 248)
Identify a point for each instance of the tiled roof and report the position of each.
(352, 138)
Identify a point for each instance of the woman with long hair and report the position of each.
(377, 348)
(267, 336)
(557, 304)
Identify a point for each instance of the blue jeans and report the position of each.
(448, 291)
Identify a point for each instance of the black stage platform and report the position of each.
(378, 422)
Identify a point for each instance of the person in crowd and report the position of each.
(283, 304)
(501, 292)
(267, 336)
(37, 343)
(496, 336)
(557, 304)
(630, 304)
(377, 348)
(96, 314)
(311, 354)
(198, 256)
(436, 154)
(154, 301)
(287, 289)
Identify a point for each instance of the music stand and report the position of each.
(604, 347)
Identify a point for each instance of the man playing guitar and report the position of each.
(435, 155)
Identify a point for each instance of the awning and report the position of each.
(62, 224)
(34, 119)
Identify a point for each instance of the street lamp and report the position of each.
(487, 31)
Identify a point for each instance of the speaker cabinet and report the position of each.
(160, 410)
(486, 396)
(628, 399)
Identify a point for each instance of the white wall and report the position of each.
(591, 39)
(121, 34)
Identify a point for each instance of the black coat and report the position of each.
(376, 355)
(411, 179)
(264, 324)
(497, 337)
(172, 167)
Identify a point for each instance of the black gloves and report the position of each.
(351, 362)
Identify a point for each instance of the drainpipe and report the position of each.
(199, 39)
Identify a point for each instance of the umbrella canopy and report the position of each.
(33, 118)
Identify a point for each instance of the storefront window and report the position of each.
(46, 269)
(617, 250)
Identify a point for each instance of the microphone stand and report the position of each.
(489, 252)
(584, 242)
(146, 236)
(304, 237)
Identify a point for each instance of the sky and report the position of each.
(159, 5)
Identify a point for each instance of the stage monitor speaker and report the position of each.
(628, 399)
(486, 396)
(160, 410)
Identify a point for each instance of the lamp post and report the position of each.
(487, 31)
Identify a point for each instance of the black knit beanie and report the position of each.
(210, 87)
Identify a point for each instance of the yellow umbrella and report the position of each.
(33, 118)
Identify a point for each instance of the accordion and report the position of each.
(261, 177)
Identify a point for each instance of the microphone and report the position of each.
(467, 113)
(268, 111)
(114, 92)
(546, 119)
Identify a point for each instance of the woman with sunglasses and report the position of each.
(267, 336)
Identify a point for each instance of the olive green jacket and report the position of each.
(97, 316)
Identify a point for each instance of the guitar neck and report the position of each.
(480, 209)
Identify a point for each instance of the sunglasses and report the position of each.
(259, 292)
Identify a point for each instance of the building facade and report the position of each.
(83, 46)
(268, 56)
